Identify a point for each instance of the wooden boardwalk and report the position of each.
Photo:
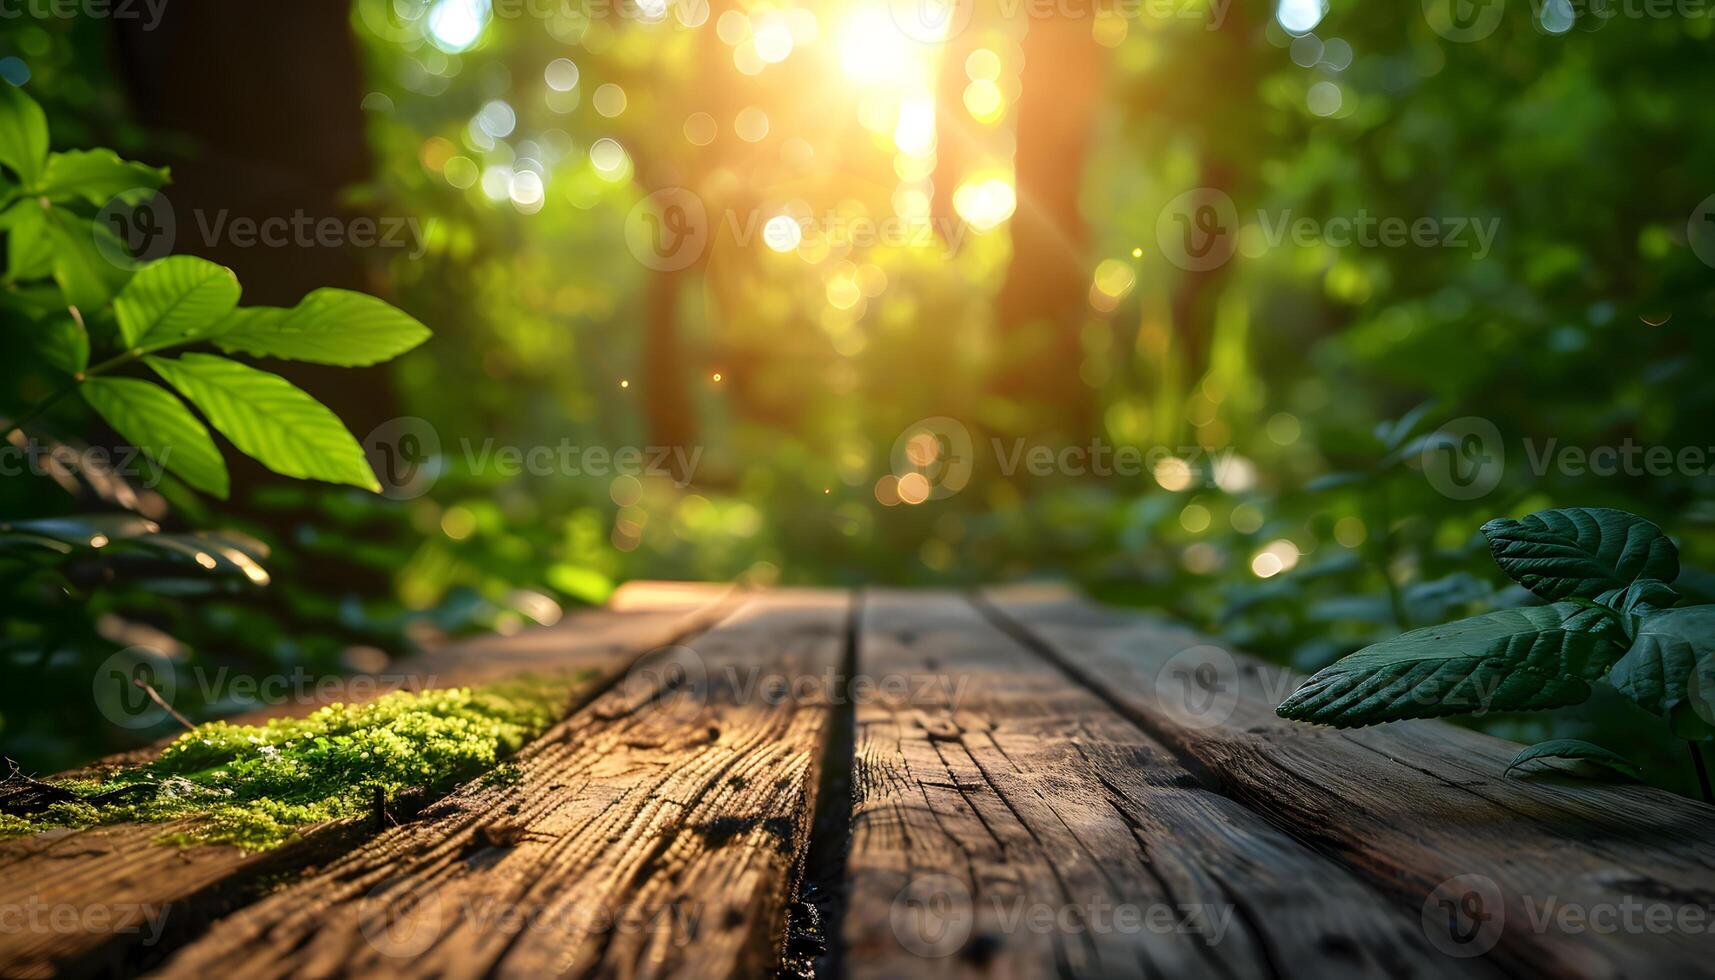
(1013, 783)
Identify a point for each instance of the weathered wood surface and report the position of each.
(1027, 823)
(651, 834)
(1538, 872)
(132, 896)
(1012, 784)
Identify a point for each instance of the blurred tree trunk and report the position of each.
(668, 415)
(1043, 304)
(263, 106)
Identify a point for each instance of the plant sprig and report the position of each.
(1611, 617)
(99, 301)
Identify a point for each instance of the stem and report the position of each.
(36, 410)
(1702, 772)
(117, 360)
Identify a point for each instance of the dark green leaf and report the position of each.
(1670, 668)
(29, 250)
(1581, 551)
(64, 344)
(150, 418)
(175, 299)
(87, 275)
(268, 418)
(98, 176)
(1572, 748)
(330, 326)
(87, 530)
(1507, 660)
(23, 134)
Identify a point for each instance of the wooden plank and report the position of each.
(121, 896)
(653, 833)
(1009, 820)
(1567, 878)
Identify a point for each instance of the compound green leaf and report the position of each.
(1506, 660)
(149, 417)
(1581, 551)
(270, 419)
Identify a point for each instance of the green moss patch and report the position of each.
(255, 786)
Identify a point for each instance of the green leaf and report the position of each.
(87, 277)
(330, 326)
(29, 251)
(1506, 660)
(175, 299)
(64, 344)
(149, 417)
(1581, 551)
(270, 419)
(1641, 598)
(1573, 748)
(98, 176)
(23, 134)
(1670, 668)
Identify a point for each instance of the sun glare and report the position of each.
(873, 50)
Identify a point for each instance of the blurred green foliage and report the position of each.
(1297, 387)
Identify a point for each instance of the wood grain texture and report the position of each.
(1419, 809)
(134, 897)
(1008, 822)
(654, 833)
